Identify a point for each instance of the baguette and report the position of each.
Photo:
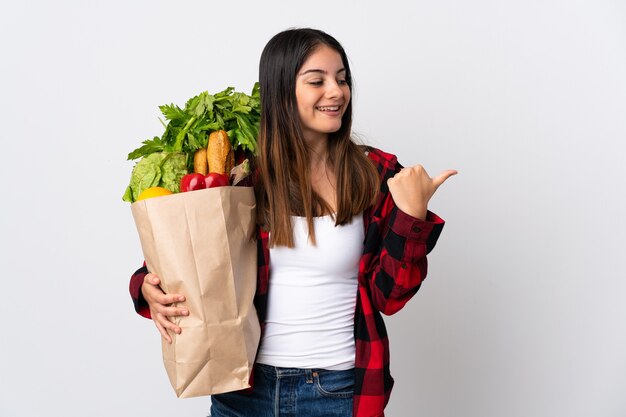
(220, 154)
(200, 164)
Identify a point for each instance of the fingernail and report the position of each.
(181, 298)
(185, 312)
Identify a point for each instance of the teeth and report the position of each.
(328, 108)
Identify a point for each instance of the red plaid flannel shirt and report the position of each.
(391, 270)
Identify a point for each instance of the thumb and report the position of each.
(441, 178)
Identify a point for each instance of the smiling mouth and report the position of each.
(328, 108)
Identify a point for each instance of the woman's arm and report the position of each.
(398, 263)
(151, 302)
(136, 281)
(401, 232)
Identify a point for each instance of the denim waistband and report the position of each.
(278, 372)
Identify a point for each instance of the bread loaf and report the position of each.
(200, 164)
(220, 154)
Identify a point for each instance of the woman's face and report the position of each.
(322, 93)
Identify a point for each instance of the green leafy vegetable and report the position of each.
(157, 169)
(187, 129)
(149, 146)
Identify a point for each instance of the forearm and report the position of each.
(401, 265)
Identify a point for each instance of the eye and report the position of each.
(342, 82)
(316, 83)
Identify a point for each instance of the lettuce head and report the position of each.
(161, 169)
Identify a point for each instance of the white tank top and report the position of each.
(312, 296)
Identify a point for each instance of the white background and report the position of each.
(523, 312)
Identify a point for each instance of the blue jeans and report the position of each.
(289, 392)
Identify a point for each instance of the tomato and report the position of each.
(191, 182)
(153, 192)
(216, 180)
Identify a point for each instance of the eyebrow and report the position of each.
(321, 71)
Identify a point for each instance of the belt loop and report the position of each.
(309, 376)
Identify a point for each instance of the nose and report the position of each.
(334, 90)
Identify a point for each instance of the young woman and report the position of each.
(343, 235)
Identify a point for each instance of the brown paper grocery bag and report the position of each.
(200, 244)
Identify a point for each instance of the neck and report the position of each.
(318, 151)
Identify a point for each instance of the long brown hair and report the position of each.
(284, 188)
